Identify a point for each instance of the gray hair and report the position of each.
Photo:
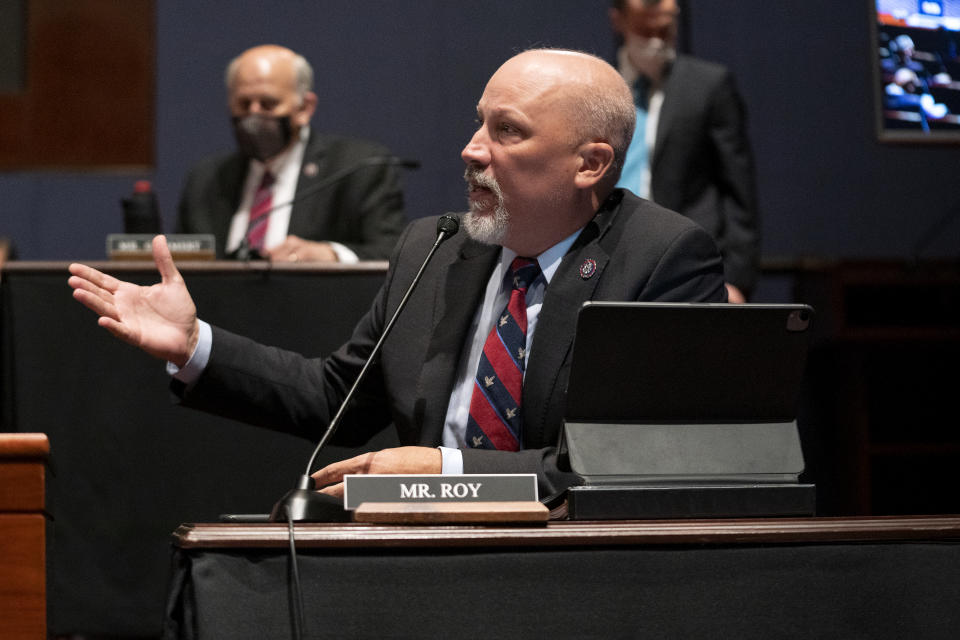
(303, 74)
(608, 116)
(603, 111)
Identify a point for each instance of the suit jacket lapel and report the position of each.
(459, 289)
(571, 286)
(304, 214)
(668, 109)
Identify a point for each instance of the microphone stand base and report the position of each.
(306, 505)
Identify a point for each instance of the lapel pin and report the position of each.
(311, 169)
(588, 268)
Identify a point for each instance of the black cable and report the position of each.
(296, 597)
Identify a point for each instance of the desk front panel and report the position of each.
(128, 464)
(722, 579)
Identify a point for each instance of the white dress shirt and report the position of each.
(285, 168)
(494, 301)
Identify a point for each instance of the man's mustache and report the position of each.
(475, 177)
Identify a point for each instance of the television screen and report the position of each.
(917, 69)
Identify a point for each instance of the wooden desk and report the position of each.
(23, 593)
(769, 578)
(4, 251)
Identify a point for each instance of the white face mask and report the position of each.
(649, 55)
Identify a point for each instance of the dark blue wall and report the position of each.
(409, 73)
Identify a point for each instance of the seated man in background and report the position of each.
(474, 374)
(690, 151)
(242, 197)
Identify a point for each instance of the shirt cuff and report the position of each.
(344, 255)
(452, 463)
(190, 372)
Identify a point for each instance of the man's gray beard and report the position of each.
(487, 228)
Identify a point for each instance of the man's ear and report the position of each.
(304, 112)
(594, 162)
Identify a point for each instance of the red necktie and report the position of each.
(496, 418)
(259, 212)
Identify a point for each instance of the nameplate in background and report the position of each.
(139, 246)
(438, 488)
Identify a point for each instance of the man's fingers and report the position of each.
(335, 490)
(330, 474)
(80, 283)
(334, 472)
(163, 260)
(95, 303)
(281, 252)
(97, 278)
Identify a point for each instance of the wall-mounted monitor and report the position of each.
(916, 61)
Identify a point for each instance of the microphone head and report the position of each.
(448, 225)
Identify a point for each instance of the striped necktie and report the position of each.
(496, 418)
(260, 212)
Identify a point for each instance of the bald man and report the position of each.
(242, 197)
(546, 231)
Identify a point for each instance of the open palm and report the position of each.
(160, 319)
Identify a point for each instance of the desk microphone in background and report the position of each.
(304, 504)
(245, 252)
(141, 214)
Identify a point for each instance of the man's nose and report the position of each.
(477, 151)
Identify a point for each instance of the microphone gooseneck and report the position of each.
(246, 253)
(304, 504)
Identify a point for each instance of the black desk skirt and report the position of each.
(902, 589)
(128, 465)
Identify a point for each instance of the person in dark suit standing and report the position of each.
(240, 197)
(546, 231)
(690, 151)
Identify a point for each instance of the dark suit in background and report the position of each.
(642, 251)
(364, 211)
(702, 164)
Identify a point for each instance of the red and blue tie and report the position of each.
(496, 418)
(259, 212)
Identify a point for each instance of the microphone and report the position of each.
(303, 504)
(245, 252)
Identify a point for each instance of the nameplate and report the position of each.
(139, 246)
(358, 489)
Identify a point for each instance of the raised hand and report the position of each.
(160, 319)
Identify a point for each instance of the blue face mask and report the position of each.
(262, 137)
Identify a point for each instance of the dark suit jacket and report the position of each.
(702, 165)
(642, 251)
(364, 211)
